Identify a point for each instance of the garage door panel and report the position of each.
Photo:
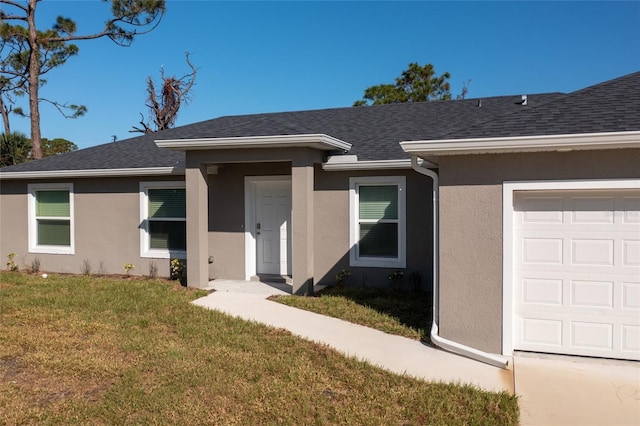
(631, 338)
(577, 273)
(542, 331)
(592, 294)
(589, 335)
(631, 253)
(631, 296)
(592, 251)
(544, 291)
(542, 250)
(592, 210)
(631, 209)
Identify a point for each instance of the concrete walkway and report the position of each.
(552, 390)
(400, 355)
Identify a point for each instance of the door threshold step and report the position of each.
(273, 278)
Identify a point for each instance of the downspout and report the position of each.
(448, 345)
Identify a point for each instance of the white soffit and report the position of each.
(584, 141)
(317, 141)
(89, 173)
(350, 162)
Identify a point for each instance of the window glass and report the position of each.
(379, 202)
(54, 232)
(164, 230)
(378, 230)
(168, 235)
(51, 218)
(378, 239)
(52, 203)
(167, 203)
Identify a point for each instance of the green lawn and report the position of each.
(403, 313)
(89, 350)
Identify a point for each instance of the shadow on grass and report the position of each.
(411, 309)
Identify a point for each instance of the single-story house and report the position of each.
(522, 212)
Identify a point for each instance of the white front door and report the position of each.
(577, 272)
(273, 228)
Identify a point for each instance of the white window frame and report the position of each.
(34, 247)
(145, 250)
(354, 223)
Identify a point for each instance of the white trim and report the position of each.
(145, 251)
(33, 223)
(250, 188)
(377, 262)
(508, 189)
(565, 142)
(336, 165)
(55, 174)
(319, 141)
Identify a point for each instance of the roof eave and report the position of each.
(317, 141)
(355, 164)
(543, 143)
(89, 173)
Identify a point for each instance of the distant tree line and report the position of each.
(15, 148)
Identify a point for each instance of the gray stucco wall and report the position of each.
(332, 229)
(331, 223)
(106, 220)
(471, 229)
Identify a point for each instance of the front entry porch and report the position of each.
(278, 222)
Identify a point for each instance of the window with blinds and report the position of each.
(378, 220)
(377, 206)
(163, 218)
(167, 219)
(51, 218)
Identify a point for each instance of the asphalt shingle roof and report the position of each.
(612, 106)
(374, 131)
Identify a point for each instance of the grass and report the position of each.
(403, 313)
(90, 350)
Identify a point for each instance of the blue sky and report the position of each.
(266, 56)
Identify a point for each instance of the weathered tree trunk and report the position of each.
(34, 83)
(5, 117)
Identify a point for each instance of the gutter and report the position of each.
(441, 342)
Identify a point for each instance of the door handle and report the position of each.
(258, 228)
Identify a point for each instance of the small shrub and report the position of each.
(342, 276)
(11, 263)
(178, 269)
(102, 270)
(128, 267)
(86, 267)
(35, 265)
(396, 278)
(153, 269)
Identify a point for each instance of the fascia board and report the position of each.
(89, 173)
(370, 165)
(318, 141)
(569, 142)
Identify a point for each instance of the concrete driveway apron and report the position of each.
(562, 390)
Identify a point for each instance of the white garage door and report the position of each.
(577, 272)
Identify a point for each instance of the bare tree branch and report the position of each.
(164, 104)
